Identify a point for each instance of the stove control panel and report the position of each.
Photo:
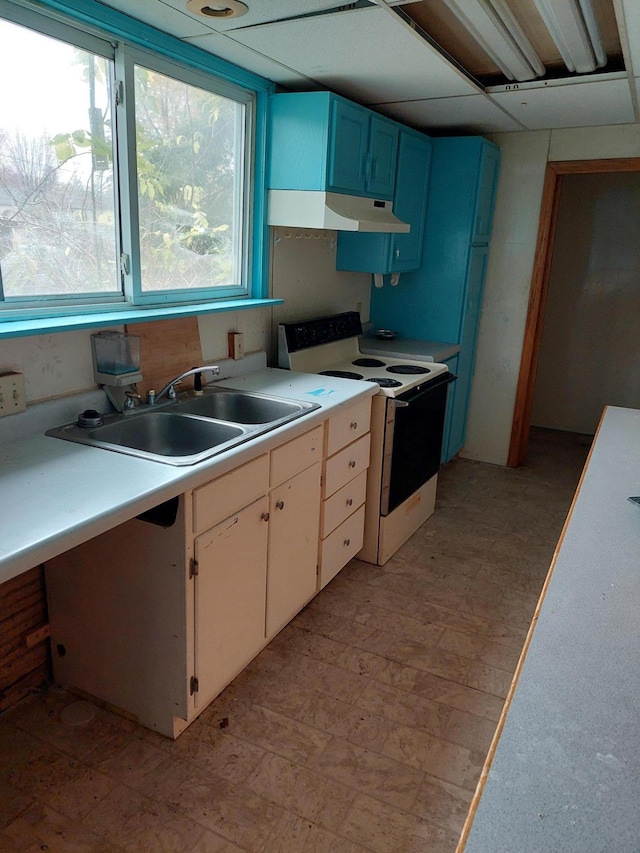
(321, 330)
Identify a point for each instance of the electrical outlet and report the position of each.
(12, 398)
(236, 345)
(359, 307)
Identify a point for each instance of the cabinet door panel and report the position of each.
(230, 597)
(348, 143)
(410, 200)
(383, 151)
(467, 354)
(294, 515)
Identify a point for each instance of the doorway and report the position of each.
(597, 269)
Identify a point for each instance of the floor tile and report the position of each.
(387, 830)
(40, 828)
(380, 776)
(305, 793)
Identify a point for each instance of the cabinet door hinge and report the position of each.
(194, 685)
(317, 569)
(193, 567)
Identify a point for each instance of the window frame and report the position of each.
(91, 26)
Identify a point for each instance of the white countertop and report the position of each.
(57, 494)
(565, 776)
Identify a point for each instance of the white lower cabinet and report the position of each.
(157, 620)
(230, 597)
(292, 576)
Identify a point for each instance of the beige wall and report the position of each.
(589, 354)
(502, 322)
(303, 274)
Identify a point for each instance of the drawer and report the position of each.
(343, 503)
(346, 465)
(340, 546)
(296, 455)
(346, 426)
(227, 494)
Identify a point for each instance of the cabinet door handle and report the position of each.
(352, 463)
(265, 516)
(279, 504)
(349, 501)
(347, 542)
(354, 424)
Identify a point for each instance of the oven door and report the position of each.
(413, 440)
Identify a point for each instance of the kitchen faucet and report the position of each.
(169, 389)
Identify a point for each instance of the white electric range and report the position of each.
(407, 423)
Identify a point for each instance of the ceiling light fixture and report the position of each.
(224, 9)
(493, 26)
(573, 27)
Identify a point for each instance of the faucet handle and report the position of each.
(171, 393)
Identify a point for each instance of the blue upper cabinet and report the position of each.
(388, 253)
(320, 141)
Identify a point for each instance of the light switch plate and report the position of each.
(12, 397)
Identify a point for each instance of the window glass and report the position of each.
(58, 221)
(189, 159)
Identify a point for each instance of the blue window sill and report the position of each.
(116, 317)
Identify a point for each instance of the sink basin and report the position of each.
(240, 407)
(191, 429)
(166, 434)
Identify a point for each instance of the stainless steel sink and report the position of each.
(166, 434)
(191, 429)
(240, 407)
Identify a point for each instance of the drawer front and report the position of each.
(343, 544)
(227, 494)
(346, 465)
(343, 503)
(348, 425)
(296, 455)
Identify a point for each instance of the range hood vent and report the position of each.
(332, 211)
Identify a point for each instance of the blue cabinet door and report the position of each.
(348, 147)
(466, 357)
(386, 253)
(383, 151)
(410, 200)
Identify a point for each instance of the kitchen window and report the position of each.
(126, 178)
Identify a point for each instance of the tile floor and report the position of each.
(362, 727)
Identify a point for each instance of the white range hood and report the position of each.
(332, 211)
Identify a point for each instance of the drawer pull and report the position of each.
(354, 424)
(265, 516)
(280, 505)
(347, 542)
(352, 463)
(349, 501)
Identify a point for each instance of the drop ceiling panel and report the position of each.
(162, 17)
(579, 104)
(468, 113)
(225, 48)
(366, 54)
(260, 12)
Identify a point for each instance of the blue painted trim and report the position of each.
(93, 320)
(130, 29)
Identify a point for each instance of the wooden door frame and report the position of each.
(551, 192)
